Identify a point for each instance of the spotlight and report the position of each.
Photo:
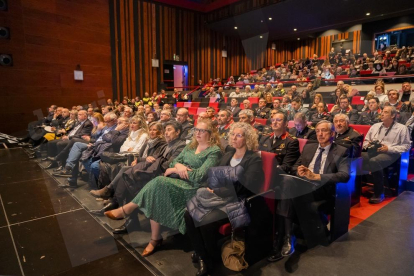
(298, 38)
(270, 18)
(6, 60)
(261, 36)
(295, 30)
(4, 33)
(368, 14)
(3, 5)
(235, 28)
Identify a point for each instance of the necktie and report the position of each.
(318, 161)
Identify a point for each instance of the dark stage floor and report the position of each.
(46, 230)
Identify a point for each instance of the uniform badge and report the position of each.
(282, 146)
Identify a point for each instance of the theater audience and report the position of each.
(164, 198)
(383, 145)
(203, 220)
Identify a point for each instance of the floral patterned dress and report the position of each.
(164, 199)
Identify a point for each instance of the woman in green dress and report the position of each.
(164, 198)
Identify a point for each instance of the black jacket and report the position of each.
(307, 133)
(286, 148)
(252, 179)
(186, 127)
(352, 140)
(337, 164)
(85, 129)
(352, 114)
(367, 117)
(155, 150)
(235, 111)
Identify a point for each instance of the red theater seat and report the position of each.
(180, 104)
(302, 143)
(195, 104)
(201, 109)
(253, 100)
(192, 110)
(187, 104)
(358, 100)
(363, 129)
(365, 72)
(261, 121)
(215, 105)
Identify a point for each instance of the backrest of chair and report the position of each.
(357, 100)
(253, 100)
(339, 77)
(269, 163)
(329, 106)
(213, 100)
(180, 104)
(187, 104)
(261, 121)
(363, 129)
(302, 143)
(192, 110)
(291, 124)
(365, 72)
(201, 109)
(195, 104)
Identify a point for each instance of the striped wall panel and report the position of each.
(144, 30)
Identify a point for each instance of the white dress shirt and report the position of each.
(323, 160)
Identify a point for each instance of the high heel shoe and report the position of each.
(156, 244)
(111, 215)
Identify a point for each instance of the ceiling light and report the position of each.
(298, 38)
(261, 21)
(270, 18)
(367, 14)
(261, 36)
(295, 30)
(235, 28)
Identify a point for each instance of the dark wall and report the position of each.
(369, 29)
(48, 39)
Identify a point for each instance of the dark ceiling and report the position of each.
(309, 17)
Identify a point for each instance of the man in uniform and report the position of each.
(372, 115)
(301, 128)
(262, 111)
(347, 136)
(344, 108)
(224, 120)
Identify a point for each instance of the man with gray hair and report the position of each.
(383, 145)
(321, 165)
(182, 118)
(347, 136)
(301, 128)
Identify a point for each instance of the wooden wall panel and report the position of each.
(48, 39)
(160, 31)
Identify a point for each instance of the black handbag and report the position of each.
(113, 158)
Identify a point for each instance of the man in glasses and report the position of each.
(344, 108)
(224, 120)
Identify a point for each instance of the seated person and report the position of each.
(387, 140)
(164, 198)
(277, 106)
(296, 107)
(224, 120)
(82, 129)
(262, 111)
(279, 91)
(347, 136)
(246, 116)
(403, 111)
(201, 229)
(186, 125)
(154, 146)
(236, 93)
(345, 108)
(323, 164)
(301, 128)
(321, 114)
(211, 113)
(234, 108)
(372, 115)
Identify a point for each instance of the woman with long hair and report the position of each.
(163, 199)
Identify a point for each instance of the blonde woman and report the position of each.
(138, 135)
(244, 141)
(164, 198)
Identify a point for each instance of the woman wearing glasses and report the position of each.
(203, 230)
(164, 198)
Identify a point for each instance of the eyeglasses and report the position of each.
(238, 135)
(200, 130)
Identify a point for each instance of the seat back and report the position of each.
(201, 109)
(291, 124)
(187, 104)
(340, 77)
(180, 104)
(302, 143)
(358, 100)
(195, 104)
(329, 106)
(214, 105)
(253, 100)
(261, 121)
(192, 110)
(363, 129)
(269, 163)
(213, 100)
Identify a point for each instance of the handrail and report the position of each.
(296, 81)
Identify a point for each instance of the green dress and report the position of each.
(164, 199)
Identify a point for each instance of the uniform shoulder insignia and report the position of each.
(291, 137)
(311, 127)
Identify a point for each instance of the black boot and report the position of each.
(276, 254)
(195, 257)
(130, 225)
(205, 268)
(288, 247)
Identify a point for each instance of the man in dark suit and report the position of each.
(182, 118)
(262, 111)
(83, 129)
(234, 107)
(372, 115)
(346, 136)
(301, 128)
(321, 165)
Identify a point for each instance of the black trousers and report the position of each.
(204, 235)
(376, 165)
(56, 146)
